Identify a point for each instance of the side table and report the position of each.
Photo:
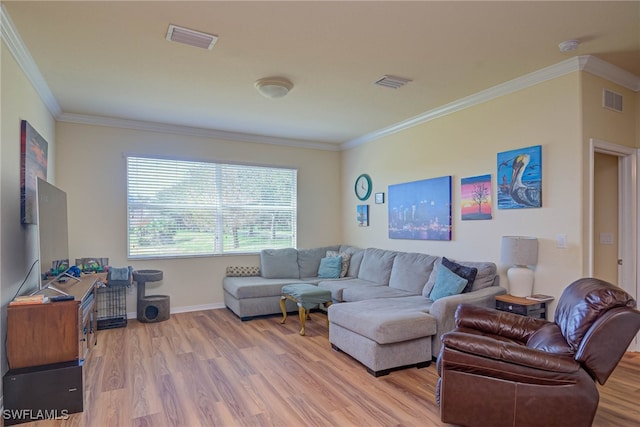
(522, 306)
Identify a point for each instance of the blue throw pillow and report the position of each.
(447, 283)
(330, 267)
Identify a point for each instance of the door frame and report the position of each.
(628, 236)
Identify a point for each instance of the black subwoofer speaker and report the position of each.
(42, 392)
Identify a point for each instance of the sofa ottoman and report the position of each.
(384, 334)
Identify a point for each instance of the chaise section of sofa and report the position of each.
(379, 349)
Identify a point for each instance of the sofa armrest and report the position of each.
(495, 322)
(510, 352)
(444, 309)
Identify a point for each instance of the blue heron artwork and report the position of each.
(421, 210)
(520, 178)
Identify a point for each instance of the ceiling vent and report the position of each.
(392, 82)
(191, 37)
(612, 100)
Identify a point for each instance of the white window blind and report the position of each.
(187, 208)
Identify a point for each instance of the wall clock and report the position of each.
(363, 187)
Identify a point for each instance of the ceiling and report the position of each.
(111, 59)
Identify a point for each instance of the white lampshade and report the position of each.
(520, 252)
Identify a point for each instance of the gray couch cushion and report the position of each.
(337, 286)
(411, 271)
(309, 260)
(376, 265)
(280, 264)
(359, 293)
(487, 275)
(255, 287)
(386, 321)
(355, 261)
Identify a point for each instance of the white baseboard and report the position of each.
(185, 309)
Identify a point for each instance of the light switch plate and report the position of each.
(561, 241)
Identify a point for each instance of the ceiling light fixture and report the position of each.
(274, 87)
(568, 45)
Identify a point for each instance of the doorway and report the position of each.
(613, 230)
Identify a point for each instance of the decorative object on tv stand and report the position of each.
(520, 253)
(150, 308)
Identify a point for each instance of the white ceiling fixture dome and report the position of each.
(274, 87)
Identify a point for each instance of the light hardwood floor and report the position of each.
(208, 368)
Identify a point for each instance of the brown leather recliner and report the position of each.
(501, 369)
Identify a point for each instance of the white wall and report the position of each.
(466, 144)
(19, 101)
(92, 172)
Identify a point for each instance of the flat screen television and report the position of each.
(53, 237)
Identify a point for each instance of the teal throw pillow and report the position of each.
(330, 267)
(447, 283)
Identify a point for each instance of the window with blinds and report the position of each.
(182, 208)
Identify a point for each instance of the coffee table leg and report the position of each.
(284, 309)
(326, 306)
(302, 312)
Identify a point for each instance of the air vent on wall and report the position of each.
(611, 100)
(392, 82)
(191, 37)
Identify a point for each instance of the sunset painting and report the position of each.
(475, 195)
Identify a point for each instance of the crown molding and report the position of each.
(601, 68)
(86, 119)
(586, 63)
(24, 59)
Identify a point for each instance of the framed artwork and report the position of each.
(33, 164)
(420, 210)
(520, 178)
(379, 198)
(475, 197)
(362, 214)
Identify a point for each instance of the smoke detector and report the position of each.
(568, 45)
(191, 37)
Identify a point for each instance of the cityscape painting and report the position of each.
(420, 210)
(475, 197)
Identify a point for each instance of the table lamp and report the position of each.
(520, 252)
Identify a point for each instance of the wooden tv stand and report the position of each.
(54, 332)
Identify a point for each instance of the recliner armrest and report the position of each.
(502, 323)
(486, 346)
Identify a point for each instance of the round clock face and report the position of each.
(363, 187)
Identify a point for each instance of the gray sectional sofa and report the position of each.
(382, 313)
